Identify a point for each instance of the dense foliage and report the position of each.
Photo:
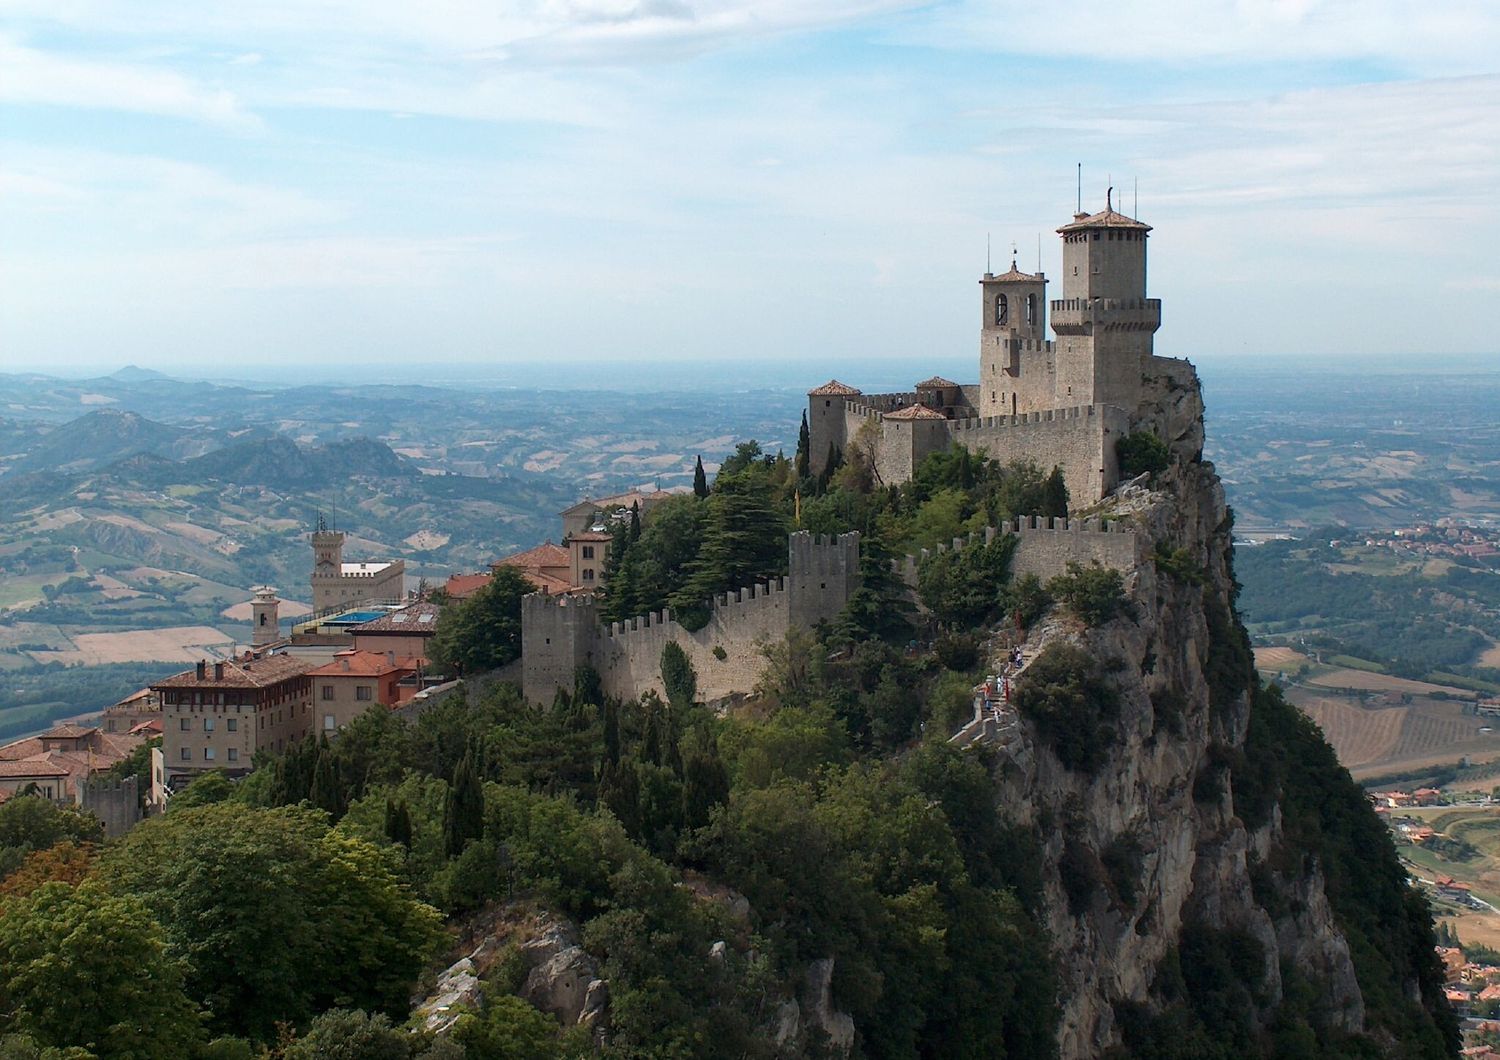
(484, 631)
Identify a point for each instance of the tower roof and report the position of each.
(935, 382)
(1015, 275)
(915, 412)
(833, 388)
(1108, 217)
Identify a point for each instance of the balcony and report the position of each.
(1080, 316)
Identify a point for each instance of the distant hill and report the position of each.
(131, 374)
(281, 463)
(105, 436)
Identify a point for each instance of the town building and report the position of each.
(403, 632)
(354, 682)
(217, 715)
(548, 567)
(339, 584)
(60, 760)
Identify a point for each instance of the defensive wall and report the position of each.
(117, 803)
(1080, 440)
(561, 633)
(1045, 547)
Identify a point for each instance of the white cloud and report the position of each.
(33, 76)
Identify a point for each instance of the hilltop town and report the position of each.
(955, 691)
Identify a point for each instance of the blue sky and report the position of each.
(251, 189)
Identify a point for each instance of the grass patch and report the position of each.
(1445, 677)
(1354, 662)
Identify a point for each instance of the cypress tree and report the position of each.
(1055, 494)
(463, 810)
(678, 677)
(611, 732)
(804, 447)
(403, 824)
(700, 480)
(635, 518)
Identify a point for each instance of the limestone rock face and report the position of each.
(564, 979)
(817, 999)
(1195, 854)
(457, 989)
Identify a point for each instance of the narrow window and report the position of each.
(1031, 309)
(327, 691)
(363, 693)
(234, 754)
(186, 754)
(327, 722)
(208, 724)
(232, 724)
(208, 754)
(1002, 309)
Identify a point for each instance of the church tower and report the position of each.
(1104, 321)
(265, 616)
(1014, 356)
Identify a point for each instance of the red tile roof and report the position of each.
(242, 673)
(539, 558)
(833, 388)
(41, 766)
(934, 382)
(1015, 275)
(645, 498)
(418, 619)
(68, 731)
(1106, 218)
(363, 664)
(591, 535)
(463, 586)
(915, 412)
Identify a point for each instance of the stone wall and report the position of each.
(1045, 547)
(560, 634)
(1080, 440)
(117, 803)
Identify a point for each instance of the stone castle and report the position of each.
(1058, 402)
(1061, 402)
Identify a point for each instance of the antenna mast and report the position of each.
(987, 269)
(1080, 188)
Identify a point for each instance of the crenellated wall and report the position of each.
(560, 634)
(1045, 547)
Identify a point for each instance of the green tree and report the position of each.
(507, 1029)
(463, 814)
(966, 587)
(1095, 593)
(1142, 451)
(30, 822)
(700, 480)
(275, 916)
(83, 967)
(678, 677)
(804, 447)
(484, 631)
(350, 1034)
(1055, 495)
(744, 540)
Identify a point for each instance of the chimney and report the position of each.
(345, 660)
(202, 669)
(218, 671)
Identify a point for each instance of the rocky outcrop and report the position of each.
(564, 979)
(817, 1006)
(458, 990)
(1152, 796)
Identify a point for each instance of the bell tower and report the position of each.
(1012, 342)
(265, 616)
(328, 564)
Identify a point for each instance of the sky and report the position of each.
(363, 186)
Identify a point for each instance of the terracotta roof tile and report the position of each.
(915, 412)
(833, 388)
(591, 535)
(41, 766)
(68, 731)
(539, 558)
(1106, 218)
(360, 664)
(935, 381)
(1015, 275)
(418, 618)
(14, 752)
(460, 586)
(242, 673)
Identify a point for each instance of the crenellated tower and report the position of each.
(1104, 322)
(1015, 358)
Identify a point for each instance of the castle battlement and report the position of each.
(1025, 419)
(561, 633)
(1045, 546)
(1017, 344)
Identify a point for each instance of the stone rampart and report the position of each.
(1080, 440)
(560, 634)
(1045, 547)
(117, 803)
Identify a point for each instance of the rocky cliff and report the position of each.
(1155, 867)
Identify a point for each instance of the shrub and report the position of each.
(1095, 594)
(1142, 451)
(1065, 694)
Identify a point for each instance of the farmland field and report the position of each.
(173, 644)
(1375, 733)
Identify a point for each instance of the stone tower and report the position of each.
(328, 564)
(827, 421)
(1104, 321)
(1013, 333)
(265, 616)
